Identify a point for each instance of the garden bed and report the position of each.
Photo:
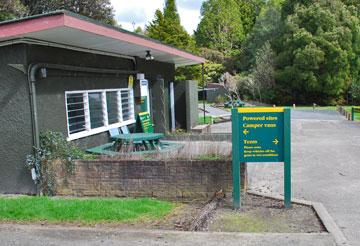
(264, 215)
(257, 214)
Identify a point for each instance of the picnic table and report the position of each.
(146, 139)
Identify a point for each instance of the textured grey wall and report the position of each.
(50, 91)
(15, 116)
(192, 101)
(15, 122)
(186, 104)
(160, 106)
(180, 104)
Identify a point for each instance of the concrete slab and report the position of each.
(67, 236)
(216, 112)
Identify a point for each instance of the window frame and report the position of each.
(88, 131)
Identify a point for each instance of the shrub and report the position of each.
(53, 146)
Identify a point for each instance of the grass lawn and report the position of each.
(316, 108)
(297, 107)
(85, 211)
(348, 109)
(201, 120)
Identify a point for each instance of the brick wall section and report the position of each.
(162, 179)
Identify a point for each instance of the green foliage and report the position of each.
(266, 29)
(264, 73)
(317, 52)
(85, 211)
(225, 23)
(355, 90)
(53, 146)
(205, 121)
(10, 9)
(139, 30)
(167, 28)
(221, 27)
(100, 10)
(212, 73)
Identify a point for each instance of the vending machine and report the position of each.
(144, 93)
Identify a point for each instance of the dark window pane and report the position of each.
(76, 113)
(126, 104)
(112, 107)
(96, 111)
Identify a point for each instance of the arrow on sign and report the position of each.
(276, 141)
(246, 132)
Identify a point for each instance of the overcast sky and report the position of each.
(142, 12)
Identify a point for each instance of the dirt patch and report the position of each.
(258, 215)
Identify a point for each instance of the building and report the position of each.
(67, 73)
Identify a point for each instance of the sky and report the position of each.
(143, 11)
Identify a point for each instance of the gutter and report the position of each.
(31, 74)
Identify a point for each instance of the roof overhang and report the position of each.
(66, 28)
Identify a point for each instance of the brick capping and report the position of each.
(174, 179)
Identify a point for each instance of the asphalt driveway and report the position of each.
(326, 167)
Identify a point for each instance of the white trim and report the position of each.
(106, 127)
(120, 119)
(105, 109)
(95, 131)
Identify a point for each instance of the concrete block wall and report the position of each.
(186, 103)
(192, 102)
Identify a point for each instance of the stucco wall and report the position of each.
(186, 104)
(15, 117)
(15, 123)
(51, 90)
(192, 101)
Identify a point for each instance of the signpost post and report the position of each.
(353, 111)
(261, 135)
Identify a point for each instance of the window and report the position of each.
(76, 112)
(126, 102)
(95, 111)
(113, 107)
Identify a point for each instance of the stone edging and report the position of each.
(320, 210)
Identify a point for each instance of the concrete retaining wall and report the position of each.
(184, 179)
(214, 137)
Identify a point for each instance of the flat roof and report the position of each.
(70, 29)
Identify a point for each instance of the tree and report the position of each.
(220, 27)
(139, 30)
(264, 72)
(10, 9)
(231, 86)
(167, 28)
(225, 23)
(267, 28)
(100, 10)
(317, 53)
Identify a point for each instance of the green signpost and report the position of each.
(261, 135)
(354, 110)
